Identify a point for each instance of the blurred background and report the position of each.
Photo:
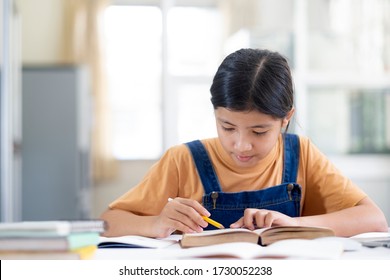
(94, 91)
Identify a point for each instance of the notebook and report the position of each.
(377, 243)
(373, 239)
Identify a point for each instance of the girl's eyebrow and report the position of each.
(261, 126)
(254, 126)
(226, 122)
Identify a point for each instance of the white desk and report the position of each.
(173, 252)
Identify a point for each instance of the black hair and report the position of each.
(254, 79)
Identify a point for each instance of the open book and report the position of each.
(263, 236)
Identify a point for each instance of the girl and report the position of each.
(253, 175)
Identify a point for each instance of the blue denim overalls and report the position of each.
(227, 208)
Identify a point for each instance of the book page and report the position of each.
(224, 231)
(258, 231)
(50, 228)
(371, 235)
(134, 241)
(293, 248)
(373, 239)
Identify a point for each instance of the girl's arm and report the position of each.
(179, 214)
(364, 217)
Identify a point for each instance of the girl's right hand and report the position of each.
(180, 214)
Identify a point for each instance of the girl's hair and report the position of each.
(253, 79)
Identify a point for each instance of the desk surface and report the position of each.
(171, 253)
(176, 252)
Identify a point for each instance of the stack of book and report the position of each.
(50, 239)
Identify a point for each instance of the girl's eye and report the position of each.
(227, 128)
(259, 133)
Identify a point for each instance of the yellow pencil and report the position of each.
(212, 222)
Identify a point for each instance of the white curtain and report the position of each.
(85, 45)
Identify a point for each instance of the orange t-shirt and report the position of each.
(324, 188)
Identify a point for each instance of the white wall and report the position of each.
(371, 173)
(130, 173)
(42, 30)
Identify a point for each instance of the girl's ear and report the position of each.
(288, 117)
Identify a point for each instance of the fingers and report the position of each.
(259, 218)
(263, 218)
(185, 215)
(238, 224)
(269, 219)
(192, 204)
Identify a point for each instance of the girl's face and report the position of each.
(248, 137)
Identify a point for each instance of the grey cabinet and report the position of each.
(55, 143)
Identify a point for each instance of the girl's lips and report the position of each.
(243, 158)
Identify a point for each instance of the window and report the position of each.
(348, 76)
(153, 109)
(134, 78)
(349, 120)
(162, 58)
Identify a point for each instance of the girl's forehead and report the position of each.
(251, 118)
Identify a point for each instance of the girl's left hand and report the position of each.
(259, 218)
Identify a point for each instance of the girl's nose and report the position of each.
(242, 145)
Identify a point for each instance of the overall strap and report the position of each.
(204, 166)
(291, 158)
